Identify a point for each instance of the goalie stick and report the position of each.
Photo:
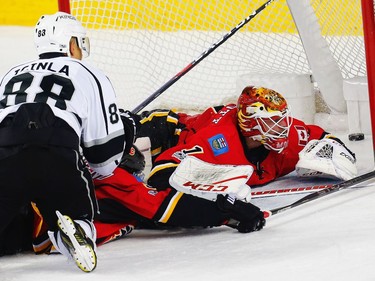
(191, 65)
(288, 191)
(321, 193)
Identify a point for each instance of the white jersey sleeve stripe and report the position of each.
(101, 153)
(100, 95)
(104, 140)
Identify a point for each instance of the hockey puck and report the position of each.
(356, 137)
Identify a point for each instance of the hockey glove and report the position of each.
(342, 143)
(133, 162)
(245, 217)
(327, 157)
(131, 126)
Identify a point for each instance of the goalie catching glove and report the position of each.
(205, 180)
(327, 157)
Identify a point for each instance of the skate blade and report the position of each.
(83, 254)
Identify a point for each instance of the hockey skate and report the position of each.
(76, 243)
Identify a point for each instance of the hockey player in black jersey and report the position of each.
(54, 112)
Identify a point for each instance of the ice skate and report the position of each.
(80, 247)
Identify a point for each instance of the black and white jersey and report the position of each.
(77, 93)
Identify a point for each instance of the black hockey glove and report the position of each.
(131, 126)
(245, 217)
(133, 162)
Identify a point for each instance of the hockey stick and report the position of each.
(191, 65)
(288, 191)
(321, 193)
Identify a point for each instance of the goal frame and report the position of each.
(368, 19)
(64, 6)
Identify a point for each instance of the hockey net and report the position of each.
(142, 44)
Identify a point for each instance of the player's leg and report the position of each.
(67, 202)
(15, 234)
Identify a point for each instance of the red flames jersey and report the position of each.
(127, 190)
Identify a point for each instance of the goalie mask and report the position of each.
(263, 115)
(53, 34)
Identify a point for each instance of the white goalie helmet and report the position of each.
(53, 34)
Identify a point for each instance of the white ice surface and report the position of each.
(331, 238)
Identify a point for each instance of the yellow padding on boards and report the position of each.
(161, 15)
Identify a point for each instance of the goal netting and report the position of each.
(297, 46)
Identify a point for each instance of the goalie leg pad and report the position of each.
(206, 180)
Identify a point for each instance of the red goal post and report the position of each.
(142, 44)
(64, 6)
(368, 15)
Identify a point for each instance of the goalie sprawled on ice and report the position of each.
(258, 132)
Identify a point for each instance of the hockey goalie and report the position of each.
(258, 131)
